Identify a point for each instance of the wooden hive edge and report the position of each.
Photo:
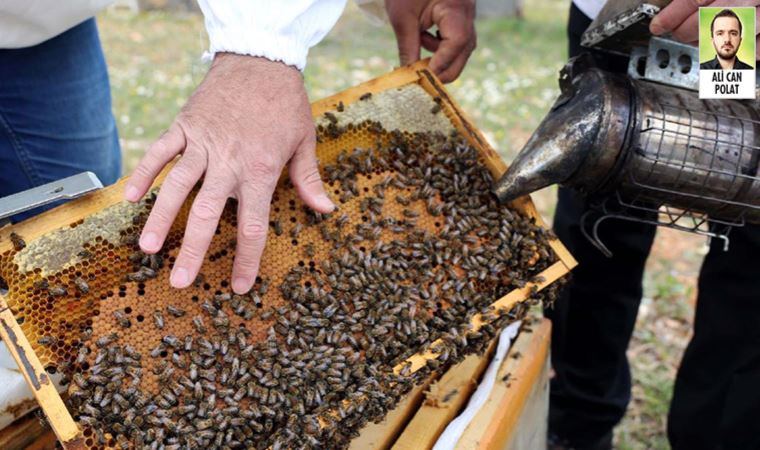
(497, 419)
(382, 435)
(443, 401)
(38, 380)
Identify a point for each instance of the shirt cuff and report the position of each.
(274, 47)
(282, 30)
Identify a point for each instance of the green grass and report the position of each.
(662, 330)
(154, 65)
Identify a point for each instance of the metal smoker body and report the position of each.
(646, 142)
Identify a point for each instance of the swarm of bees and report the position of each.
(387, 289)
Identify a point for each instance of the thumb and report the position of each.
(406, 27)
(304, 174)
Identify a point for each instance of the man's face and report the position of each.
(726, 37)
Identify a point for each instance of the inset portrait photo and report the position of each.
(727, 52)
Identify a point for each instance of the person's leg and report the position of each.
(716, 399)
(594, 316)
(55, 113)
(592, 322)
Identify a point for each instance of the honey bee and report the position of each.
(47, 340)
(331, 117)
(17, 241)
(106, 340)
(122, 319)
(296, 230)
(82, 285)
(198, 324)
(158, 319)
(174, 311)
(57, 291)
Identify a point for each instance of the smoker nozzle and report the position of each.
(567, 142)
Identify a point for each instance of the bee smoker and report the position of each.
(644, 141)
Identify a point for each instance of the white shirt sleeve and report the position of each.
(279, 30)
(29, 22)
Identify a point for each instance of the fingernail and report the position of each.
(132, 194)
(324, 202)
(240, 285)
(656, 28)
(180, 277)
(149, 241)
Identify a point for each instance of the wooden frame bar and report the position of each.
(38, 380)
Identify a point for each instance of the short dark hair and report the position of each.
(725, 13)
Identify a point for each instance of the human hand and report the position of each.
(681, 18)
(456, 33)
(245, 121)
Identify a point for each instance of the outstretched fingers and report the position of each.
(169, 145)
(202, 222)
(175, 189)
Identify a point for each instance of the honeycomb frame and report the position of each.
(105, 204)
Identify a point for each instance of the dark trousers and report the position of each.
(716, 399)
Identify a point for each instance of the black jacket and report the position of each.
(713, 64)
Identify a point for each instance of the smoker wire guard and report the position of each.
(60, 419)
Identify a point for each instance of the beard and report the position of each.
(726, 53)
